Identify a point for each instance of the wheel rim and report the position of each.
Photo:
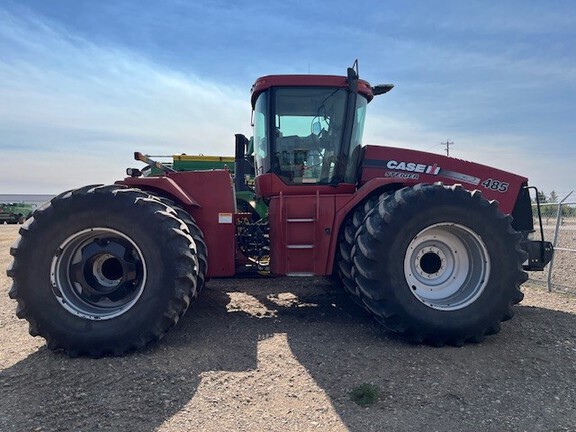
(98, 274)
(447, 266)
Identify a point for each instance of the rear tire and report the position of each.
(113, 270)
(197, 235)
(439, 264)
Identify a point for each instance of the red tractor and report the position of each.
(433, 247)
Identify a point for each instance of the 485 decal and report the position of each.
(495, 185)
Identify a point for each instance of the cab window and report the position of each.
(308, 126)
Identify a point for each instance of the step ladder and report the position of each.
(300, 222)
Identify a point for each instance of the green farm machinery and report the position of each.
(14, 213)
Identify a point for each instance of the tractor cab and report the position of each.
(308, 128)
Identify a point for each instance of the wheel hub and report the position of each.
(107, 270)
(430, 262)
(446, 266)
(98, 273)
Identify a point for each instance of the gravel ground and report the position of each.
(283, 355)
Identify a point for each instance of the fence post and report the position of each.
(556, 230)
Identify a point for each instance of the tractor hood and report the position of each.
(411, 167)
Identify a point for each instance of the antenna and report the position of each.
(355, 67)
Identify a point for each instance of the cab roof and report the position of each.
(264, 83)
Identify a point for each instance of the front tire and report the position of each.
(103, 270)
(346, 243)
(439, 264)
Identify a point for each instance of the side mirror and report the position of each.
(381, 89)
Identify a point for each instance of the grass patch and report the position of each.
(365, 394)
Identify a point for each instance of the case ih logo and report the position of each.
(413, 167)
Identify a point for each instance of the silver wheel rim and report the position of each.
(447, 266)
(98, 273)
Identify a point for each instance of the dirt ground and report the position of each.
(284, 355)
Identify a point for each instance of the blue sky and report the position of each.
(85, 83)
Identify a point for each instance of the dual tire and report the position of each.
(103, 270)
(437, 264)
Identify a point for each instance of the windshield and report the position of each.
(308, 125)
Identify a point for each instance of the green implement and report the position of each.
(14, 213)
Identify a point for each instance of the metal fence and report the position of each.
(559, 224)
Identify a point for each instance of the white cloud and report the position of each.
(70, 103)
